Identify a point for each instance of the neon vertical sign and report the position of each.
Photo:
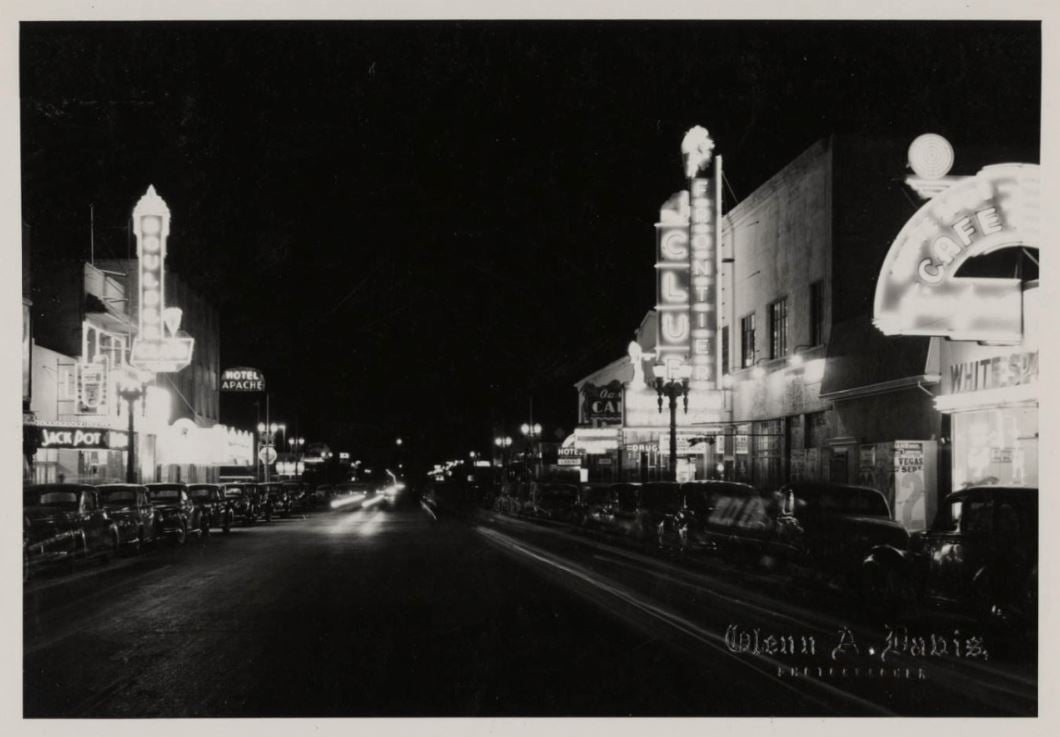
(151, 225)
(673, 287)
(703, 285)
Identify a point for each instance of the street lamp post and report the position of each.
(503, 442)
(672, 387)
(131, 388)
(532, 430)
(267, 433)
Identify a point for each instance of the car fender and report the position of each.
(888, 556)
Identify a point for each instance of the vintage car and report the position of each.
(130, 507)
(592, 499)
(979, 557)
(298, 493)
(553, 501)
(216, 509)
(821, 529)
(613, 508)
(176, 516)
(276, 499)
(243, 499)
(63, 522)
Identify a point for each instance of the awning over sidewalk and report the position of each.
(861, 360)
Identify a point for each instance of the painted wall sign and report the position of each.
(602, 404)
(242, 379)
(918, 292)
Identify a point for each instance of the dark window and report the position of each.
(817, 313)
(815, 430)
(747, 341)
(725, 349)
(778, 328)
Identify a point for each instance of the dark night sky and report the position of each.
(417, 226)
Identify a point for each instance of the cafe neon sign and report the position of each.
(919, 292)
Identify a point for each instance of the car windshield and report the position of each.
(50, 498)
(234, 493)
(201, 492)
(659, 497)
(165, 494)
(844, 500)
(118, 497)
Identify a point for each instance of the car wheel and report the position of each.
(112, 549)
(137, 547)
(181, 535)
(204, 530)
(268, 515)
(226, 525)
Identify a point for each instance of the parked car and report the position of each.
(592, 499)
(713, 516)
(243, 500)
(277, 500)
(176, 516)
(818, 529)
(554, 501)
(322, 495)
(979, 556)
(216, 509)
(130, 507)
(63, 522)
(614, 511)
(298, 493)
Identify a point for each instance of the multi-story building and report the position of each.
(810, 387)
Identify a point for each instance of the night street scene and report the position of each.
(593, 368)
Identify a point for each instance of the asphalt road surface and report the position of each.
(396, 612)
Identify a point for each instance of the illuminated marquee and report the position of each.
(918, 292)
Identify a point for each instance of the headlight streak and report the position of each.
(346, 501)
(712, 640)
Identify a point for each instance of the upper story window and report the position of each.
(725, 349)
(747, 340)
(817, 313)
(778, 328)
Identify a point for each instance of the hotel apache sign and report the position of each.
(242, 379)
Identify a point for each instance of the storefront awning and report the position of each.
(861, 360)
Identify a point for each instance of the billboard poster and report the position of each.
(910, 484)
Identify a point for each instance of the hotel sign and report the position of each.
(242, 379)
(919, 292)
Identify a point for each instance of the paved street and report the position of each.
(393, 612)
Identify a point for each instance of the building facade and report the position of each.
(810, 388)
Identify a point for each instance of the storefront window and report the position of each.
(995, 447)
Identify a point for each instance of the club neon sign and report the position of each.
(703, 284)
(919, 292)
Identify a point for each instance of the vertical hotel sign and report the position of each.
(673, 284)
